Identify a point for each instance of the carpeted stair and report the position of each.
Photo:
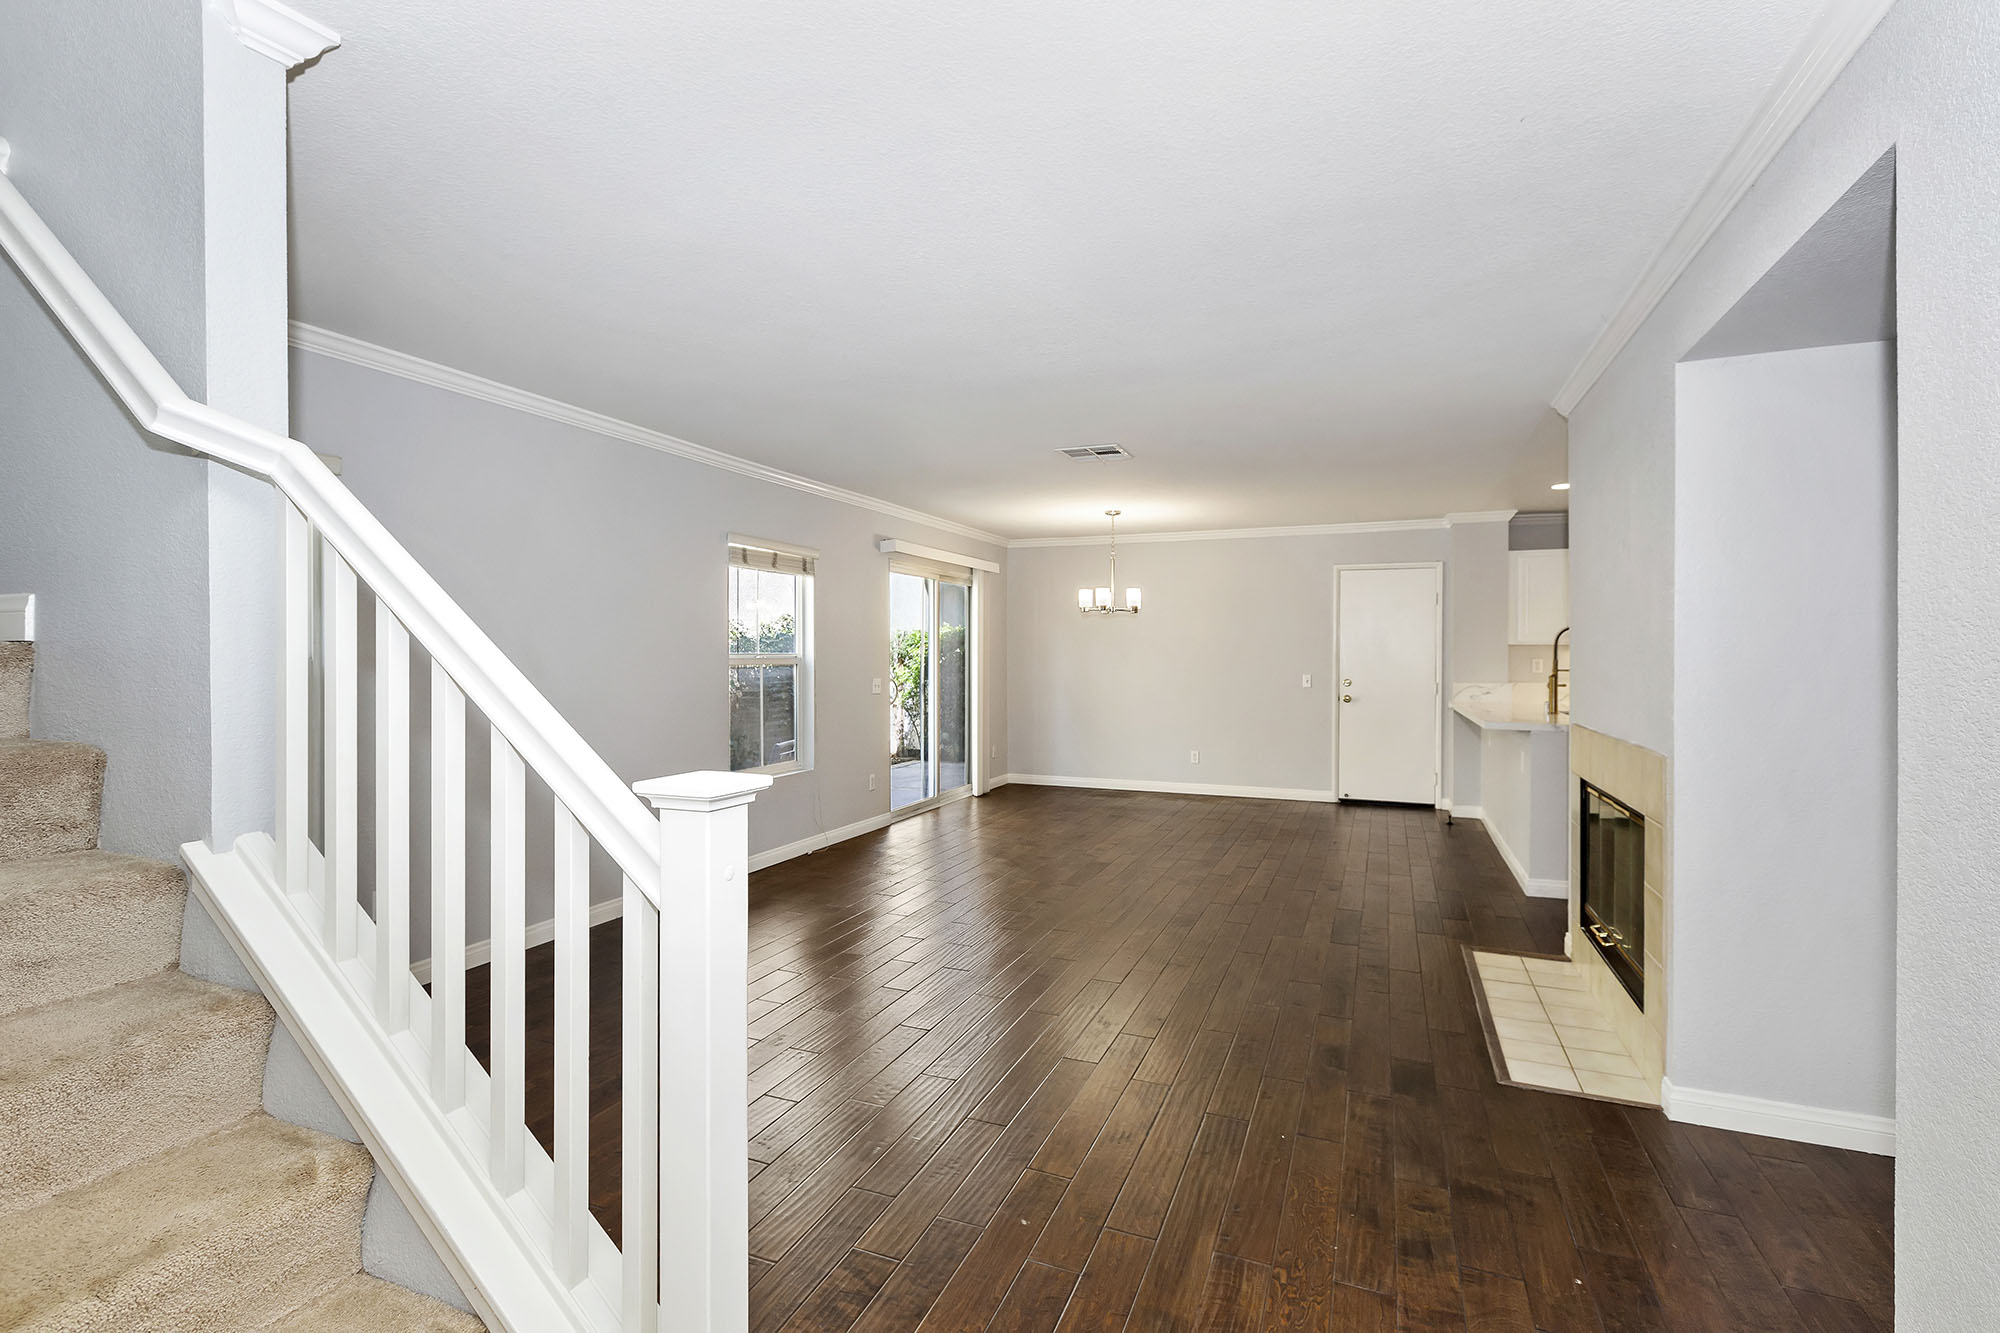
(141, 1185)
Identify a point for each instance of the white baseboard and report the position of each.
(1534, 888)
(818, 841)
(1780, 1120)
(17, 616)
(480, 952)
(1463, 811)
(1171, 788)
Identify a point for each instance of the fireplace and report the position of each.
(1613, 885)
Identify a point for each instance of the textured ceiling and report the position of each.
(1310, 263)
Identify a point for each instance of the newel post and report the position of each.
(704, 1123)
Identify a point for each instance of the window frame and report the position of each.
(799, 659)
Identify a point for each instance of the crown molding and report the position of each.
(1842, 27)
(1234, 534)
(275, 30)
(1479, 516)
(340, 347)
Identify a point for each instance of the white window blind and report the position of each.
(929, 569)
(779, 560)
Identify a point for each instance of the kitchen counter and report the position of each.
(1515, 778)
(1499, 708)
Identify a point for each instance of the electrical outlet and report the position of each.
(871, 782)
(1540, 667)
(1306, 681)
(1194, 756)
(878, 685)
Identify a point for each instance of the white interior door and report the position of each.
(1386, 650)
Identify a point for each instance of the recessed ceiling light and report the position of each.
(1560, 486)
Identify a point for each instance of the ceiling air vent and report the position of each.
(1087, 451)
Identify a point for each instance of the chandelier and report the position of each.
(1098, 599)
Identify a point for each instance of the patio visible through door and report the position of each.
(930, 623)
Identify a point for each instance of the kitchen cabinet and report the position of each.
(1537, 595)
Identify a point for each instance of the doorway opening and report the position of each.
(930, 712)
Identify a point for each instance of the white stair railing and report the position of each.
(684, 875)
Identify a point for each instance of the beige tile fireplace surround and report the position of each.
(1584, 993)
(1638, 777)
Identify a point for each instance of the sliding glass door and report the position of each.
(930, 628)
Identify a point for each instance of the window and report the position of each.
(770, 657)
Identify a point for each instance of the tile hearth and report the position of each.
(1548, 1031)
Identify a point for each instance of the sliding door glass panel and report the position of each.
(911, 757)
(954, 631)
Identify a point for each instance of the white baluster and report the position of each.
(392, 821)
(294, 697)
(640, 1106)
(447, 890)
(507, 970)
(340, 691)
(704, 1129)
(572, 1042)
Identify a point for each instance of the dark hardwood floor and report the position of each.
(1089, 1060)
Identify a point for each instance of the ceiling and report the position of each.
(1309, 263)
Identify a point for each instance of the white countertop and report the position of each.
(1494, 708)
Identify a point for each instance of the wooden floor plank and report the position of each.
(1176, 1280)
(1106, 1060)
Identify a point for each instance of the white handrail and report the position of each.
(575, 772)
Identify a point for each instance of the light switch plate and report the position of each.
(1194, 756)
(1306, 681)
(871, 782)
(878, 685)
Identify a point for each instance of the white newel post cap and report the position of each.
(702, 791)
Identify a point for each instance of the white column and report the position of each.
(703, 1121)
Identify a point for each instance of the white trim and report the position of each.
(816, 842)
(1818, 60)
(1235, 534)
(1463, 811)
(434, 1161)
(1168, 788)
(895, 546)
(1780, 1120)
(354, 351)
(17, 616)
(275, 30)
(1480, 516)
(820, 841)
(1437, 667)
(538, 933)
(1534, 888)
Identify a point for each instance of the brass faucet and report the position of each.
(1556, 672)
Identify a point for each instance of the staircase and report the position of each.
(141, 1184)
(509, 1217)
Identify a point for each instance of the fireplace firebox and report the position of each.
(1613, 880)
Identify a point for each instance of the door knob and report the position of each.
(1347, 698)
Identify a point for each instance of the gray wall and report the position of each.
(1924, 84)
(598, 566)
(102, 105)
(1213, 663)
(1784, 907)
